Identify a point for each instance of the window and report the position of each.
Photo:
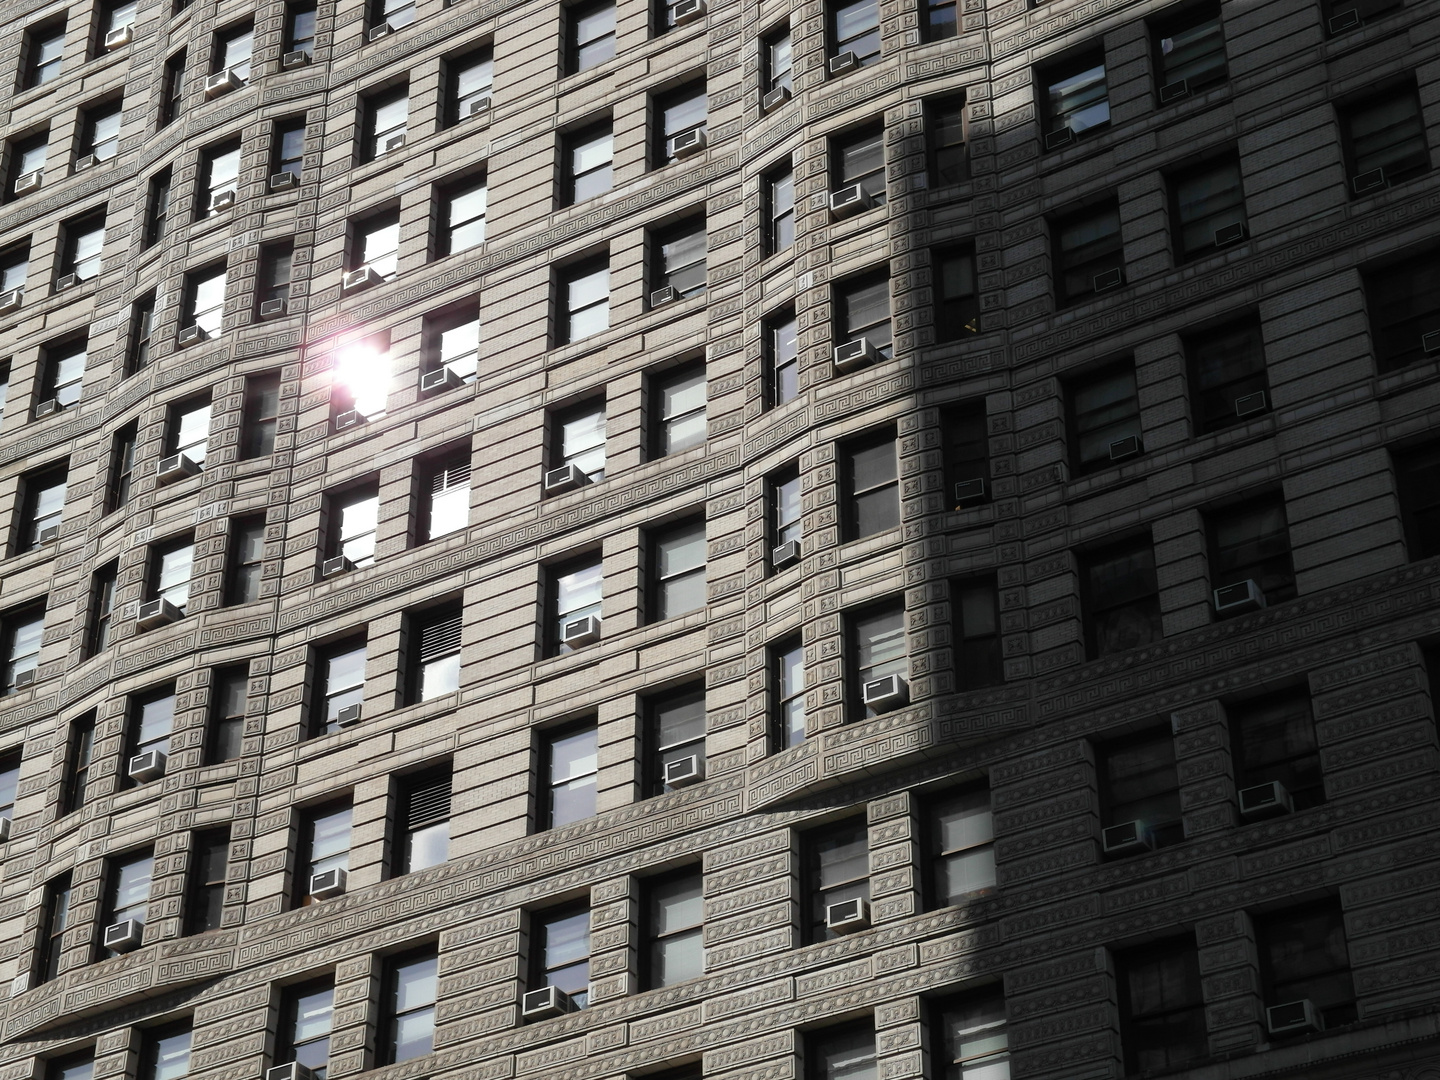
(424, 823)
(205, 303)
(1162, 1012)
(342, 683)
(74, 1067)
(55, 919)
(232, 51)
(447, 507)
(27, 156)
(225, 739)
(585, 159)
(408, 1007)
(165, 1053)
(779, 61)
(188, 431)
(463, 212)
(965, 449)
(570, 761)
(968, 1036)
(127, 892)
(219, 179)
(395, 14)
(871, 479)
(9, 782)
(1190, 52)
(961, 835)
(151, 721)
(84, 239)
(854, 27)
(1139, 785)
(1273, 738)
(788, 666)
(676, 725)
(782, 353)
(172, 98)
(247, 555)
(939, 20)
(585, 300)
(437, 636)
(877, 648)
(142, 332)
(306, 1015)
(575, 592)
(837, 868)
(453, 343)
(679, 112)
(1227, 374)
(287, 146)
(678, 261)
(102, 606)
(1074, 100)
(386, 115)
(1304, 957)
(78, 758)
(780, 204)
(590, 39)
(1417, 478)
(1251, 542)
(679, 399)
(978, 659)
(1088, 253)
(1209, 208)
(579, 439)
(14, 267)
(1404, 304)
(262, 414)
(470, 80)
(858, 157)
(1121, 597)
(863, 307)
(1344, 15)
(376, 244)
(560, 952)
(122, 465)
(351, 523)
(324, 846)
(678, 555)
(44, 507)
(22, 630)
(787, 509)
(1104, 417)
(674, 914)
(1384, 139)
(205, 897)
(44, 48)
(100, 133)
(157, 207)
(300, 28)
(957, 303)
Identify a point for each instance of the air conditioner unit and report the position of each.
(1058, 138)
(337, 565)
(283, 181)
(1128, 447)
(969, 490)
(687, 143)
(663, 296)
(684, 771)
(1174, 91)
(25, 678)
(10, 301)
(848, 916)
(30, 181)
(350, 715)
(1242, 596)
(348, 419)
(888, 693)
(223, 83)
(565, 478)
(192, 335)
(153, 613)
(120, 36)
(845, 61)
(363, 278)
(66, 281)
(850, 200)
(1294, 1017)
(441, 379)
(1108, 280)
(1125, 839)
(124, 936)
(544, 1003)
(48, 535)
(83, 162)
(786, 554)
(146, 767)
(1250, 404)
(222, 200)
(295, 59)
(1346, 20)
(1230, 234)
(395, 142)
(581, 631)
(687, 11)
(290, 1071)
(328, 883)
(1267, 798)
(47, 407)
(479, 105)
(176, 467)
(5, 828)
(1368, 181)
(273, 309)
(1430, 342)
(854, 354)
(775, 98)
(383, 30)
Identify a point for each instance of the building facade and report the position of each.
(729, 538)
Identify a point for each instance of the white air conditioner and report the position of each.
(6, 825)
(1293, 1017)
(47, 407)
(1174, 91)
(124, 936)
(120, 36)
(845, 61)
(295, 59)
(153, 613)
(11, 301)
(222, 200)
(969, 490)
(850, 200)
(544, 1003)
(687, 11)
(1267, 798)
(1128, 447)
(192, 335)
(48, 535)
(888, 693)
(383, 30)
(338, 565)
(684, 771)
(1430, 342)
(348, 419)
(1230, 234)
(176, 467)
(687, 143)
(1058, 138)
(1250, 404)
(775, 98)
(66, 281)
(565, 478)
(25, 678)
(663, 296)
(223, 83)
(854, 354)
(479, 105)
(1241, 596)
(363, 278)
(786, 554)
(350, 715)
(146, 767)
(83, 162)
(1126, 838)
(328, 883)
(580, 631)
(1108, 280)
(395, 142)
(290, 1071)
(30, 181)
(441, 379)
(283, 181)
(1346, 20)
(273, 309)
(848, 916)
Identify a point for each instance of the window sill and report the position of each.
(852, 550)
(1421, 373)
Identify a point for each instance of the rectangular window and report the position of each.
(324, 846)
(102, 606)
(387, 115)
(1104, 415)
(1162, 1012)
(78, 760)
(300, 28)
(979, 662)
(247, 559)
(1272, 739)
(470, 79)
(674, 915)
(1189, 52)
(590, 35)
(1227, 374)
(233, 47)
(205, 896)
(560, 952)
(43, 508)
(463, 213)
(100, 133)
(788, 667)
(142, 332)
(341, 669)
(351, 523)
(188, 431)
(961, 834)
(172, 98)
(1417, 480)
(837, 868)
(165, 1053)
(9, 783)
(877, 650)
(375, 243)
(939, 20)
(262, 414)
(678, 261)
(780, 205)
(127, 890)
(122, 465)
(1074, 100)
(862, 305)
(1384, 139)
(225, 738)
(44, 50)
(1121, 597)
(1139, 788)
(307, 1013)
(871, 477)
(150, 724)
(27, 160)
(585, 301)
(447, 501)
(1208, 207)
(858, 158)
(676, 724)
(14, 268)
(782, 355)
(585, 163)
(219, 180)
(424, 821)
(205, 300)
(436, 639)
(55, 919)
(576, 590)
(452, 342)
(1404, 304)
(84, 241)
(22, 630)
(157, 206)
(678, 398)
(957, 300)
(853, 28)
(74, 1067)
(680, 113)
(396, 14)
(968, 1037)
(287, 146)
(965, 450)
(408, 1005)
(787, 523)
(1088, 252)
(569, 764)
(1251, 542)
(678, 562)
(779, 61)
(1304, 957)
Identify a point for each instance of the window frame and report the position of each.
(436, 635)
(1113, 612)
(789, 699)
(289, 1046)
(780, 363)
(393, 993)
(542, 970)
(672, 409)
(1156, 955)
(246, 559)
(574, 186)
(573, 277)
(330, 700)
(1225, 363)
(310, 819)
(857, 647)
(1164, 778)
(225, 730)
(1087, 260)
(1225, 570)
(668, 584)
(551, 781)
(851, 493)
(1188, 215)
(204, 891)
(681, 702)
(655, 939)
(818, 894)
(1061, 86)
(423, 802)
(578, 49)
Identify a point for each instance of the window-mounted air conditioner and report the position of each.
(292, 1070)
(786, 554)
(565, 478)
(176, 467)
(192, 335)
(124, 936)
(363, 278)
(854, 354)
(843, 62)
(479, 105)
(1430, 342)
(1128, 447)
(25, 678)
(327, 884)
(1054, 140)
(283, 181)
(1294, 1017)
(775, 98)
(1373, 180)
(1109, 279)
(1126, 838)
(666, 295)
(850, 200)
(350, 715)
(338, 565)
(11, 301)
(969, 491)
(1250, 404)
(297, 58)
(1345, 20)
(687, 143)
(1174, 91)
(684, 771)
(67, 281)
(153, 613)
(1230, 234)
(544, 1003)
(887, 693)
(687, 11)
(223, 83)
(395, 142)
(1241, 596)
(273, 309)
(47, 407)
(848, 916)
(383, 30)
(120, 36)
(580, 631)
(30, 181)
(83, 162)
(143, 768)
(48, 535)
(1267, 798)
(348, 419)
(439, 380)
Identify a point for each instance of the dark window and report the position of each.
(375, 242)
(676, 725)
(837, 868)
(678, 570)
(788, 666)
(678, 400)
(1304, 957)
(463, 217)
(1162, 1013)
(1417, 476)
(871, 478)
(84, 240)
(341, 674)
(877, 650)
(22, 630)
(590, 35)
(1272, 738)
(247, 555)
(1104, 417)
(1189, 52)
(584, 301)
(446, 507)
(408, 1007)
(560, 952)
(677, 113)
(277, 267)
(1139, 785)
(188, 430)
(786, 507)
(585, 161)
(961, 835)
(54, 920)
(1121, 597)
(957, 301)
(862, 306)
(225, 739)
(157, 207)
(14, 268)
(122, 465)
(102, 606)
(44, 49)
(78, 758)
(384, 126)
(436, 637)
(780, 210)
(395, 14)
(782, 355)
(127, 889)
(9, 783)
(172, 97)
(568, 766)
(674, 914)
(978, 660)
(939, 20)
(1209, 207)
(1384, 139)
(424, 821)
(576, 589)
(232, 50)
(142, 331)
(219, 179)
(150, 724)
(1074, 100)
(968, 1037)
(453, 342)
(351, 523)
(205, 897)
(778, 57)
(262, 414)
(677, 258)
(470, 79)
(100, 132)
(205, 300)
(27, 157)
(74, 1067)
(965, 448)
(324, 846)
(43, 507)
(306, 1015)
(858, 157)
(1088, 252)
(300, 28)
(1404, 304)
(1227, 374)
(165, 1053)
(853, 26)
(1251, 542)
(287, 146)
